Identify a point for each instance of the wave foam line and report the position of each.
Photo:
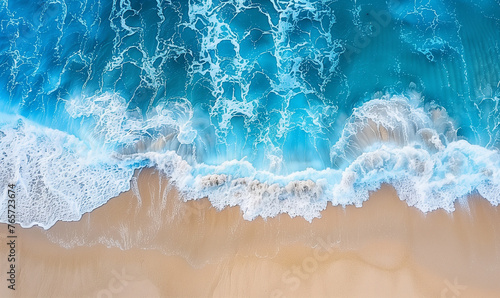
(412, 147)
(57, 176)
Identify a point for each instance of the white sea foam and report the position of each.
(113, 124)
(412, 147)
(57, 176)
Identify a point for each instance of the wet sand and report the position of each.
(148, 243)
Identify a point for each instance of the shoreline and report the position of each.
(148, 242)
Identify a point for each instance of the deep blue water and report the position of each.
(275, 106)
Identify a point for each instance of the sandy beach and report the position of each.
(148, 243)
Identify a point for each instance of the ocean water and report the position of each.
(274, 106)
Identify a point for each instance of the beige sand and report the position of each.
(159, 246)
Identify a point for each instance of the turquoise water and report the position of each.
(275, 106)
